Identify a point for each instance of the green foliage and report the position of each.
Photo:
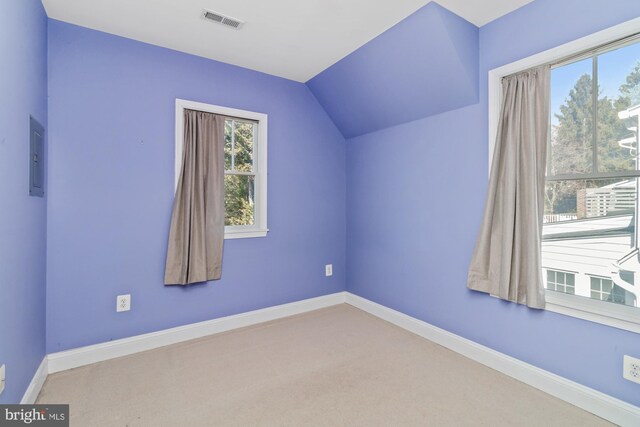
(239, 189)
(238, 200)
(630, 90)
(571, 150)
(571, 146)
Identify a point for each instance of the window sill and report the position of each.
(245, 234)
(606, 313)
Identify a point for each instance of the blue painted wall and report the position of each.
(426, 64)
(23, 92)
(415, 198)
(412, 204)
(111, 133)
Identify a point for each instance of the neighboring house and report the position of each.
(616, 198)
(594, 258)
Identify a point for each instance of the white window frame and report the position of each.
(555, 283)
(259, 228)
(616, 315)
(601, 279)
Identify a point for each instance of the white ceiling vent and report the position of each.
(222, 19)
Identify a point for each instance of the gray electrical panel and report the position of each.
(36, 159)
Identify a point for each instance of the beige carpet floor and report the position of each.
(333, 367)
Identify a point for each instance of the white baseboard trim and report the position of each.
(600, 404)
(99, 352)
(36, 383)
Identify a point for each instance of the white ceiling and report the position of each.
(295, 39)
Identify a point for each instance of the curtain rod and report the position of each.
(584, 53)
(240, 119)
(601, 48)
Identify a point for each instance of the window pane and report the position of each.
(619, 295)
(243, 149)
(571, 279)
(589, 227)
(556, 281)
(227, 144)
(619, 93)
(567, 201)
(627, 276)
(239, 200)
(571, 147)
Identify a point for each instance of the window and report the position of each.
(239, 174)
(561, 282)
(601, 288)
(245, 167)
(591, 208)
(605, 290)
(590, 223)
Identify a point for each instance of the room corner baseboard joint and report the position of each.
(33, 390)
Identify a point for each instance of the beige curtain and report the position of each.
(506, 260)
(197, 224)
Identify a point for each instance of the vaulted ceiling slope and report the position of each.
(295, 39)
(427, 64)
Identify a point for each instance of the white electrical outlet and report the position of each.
(631, 369)
(123, 303)
(2, 379)
(328, 270)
